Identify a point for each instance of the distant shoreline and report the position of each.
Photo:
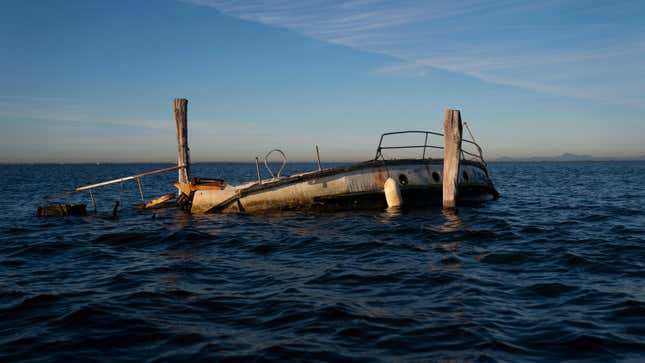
(498, 160)
(569, 157)
(555, 160)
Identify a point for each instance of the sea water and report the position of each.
(552, 271)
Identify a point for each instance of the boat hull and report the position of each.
(358, 186)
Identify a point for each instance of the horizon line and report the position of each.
(501, 159)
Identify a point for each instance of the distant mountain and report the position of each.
(570, 157)
(573, 157)
(563, 157)
(505, 158)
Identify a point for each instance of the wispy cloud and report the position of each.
(565, 47)
(412, 69)
(61, 111)
(39, 108)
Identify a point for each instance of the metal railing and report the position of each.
(425, 146)
(115, 181)
(476, 155)
(473, 155)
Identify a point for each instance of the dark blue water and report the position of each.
(552, 271)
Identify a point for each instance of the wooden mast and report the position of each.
(183, 157)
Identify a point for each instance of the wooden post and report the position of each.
(181, 111)
(451, 154)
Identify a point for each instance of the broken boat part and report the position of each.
(158, 202)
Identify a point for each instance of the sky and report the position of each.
(93, 81)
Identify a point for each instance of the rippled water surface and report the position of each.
(552, 271)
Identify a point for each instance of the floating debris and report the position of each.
(159, 202)
(62, 210)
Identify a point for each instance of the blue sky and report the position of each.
(87, 81)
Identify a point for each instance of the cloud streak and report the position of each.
(566, 48)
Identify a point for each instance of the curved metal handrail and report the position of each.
(266, 162)
(479, 157)
(426, 146)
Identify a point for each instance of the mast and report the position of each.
(183, 156)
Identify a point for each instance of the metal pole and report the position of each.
(479, 149)
(469, 133)
(257, 169)
(318, 157)
(425, 144)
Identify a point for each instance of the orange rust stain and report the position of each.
(380, 178)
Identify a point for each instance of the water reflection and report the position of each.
(452, 222)
(183, 219)
(390, 213)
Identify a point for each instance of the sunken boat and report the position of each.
(444, 169)
(374, 184)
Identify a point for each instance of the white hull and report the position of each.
(354, 186)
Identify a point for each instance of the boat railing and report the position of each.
(473, 155)
(424, 147)
(470, 149)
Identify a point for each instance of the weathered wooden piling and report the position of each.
(452, 130)
(181, 120)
